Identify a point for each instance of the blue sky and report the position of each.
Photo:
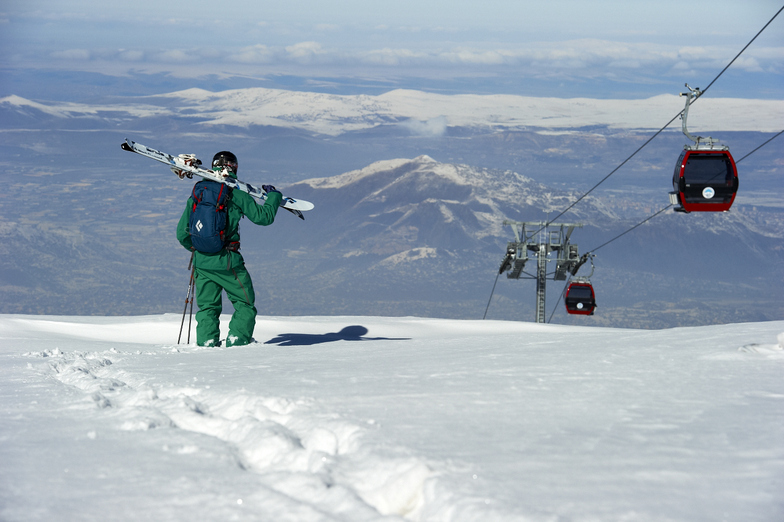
(627, 49)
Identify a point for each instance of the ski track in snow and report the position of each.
(314, 458)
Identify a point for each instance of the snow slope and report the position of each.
(369, 418)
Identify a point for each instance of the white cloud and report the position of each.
(304, 51)
(748, 64)
(625, 64)
(177, 56)
(694, 52)
(392, 56)
(338, 49)
(131, 56)
(429, 128)
(588, 58)
(594, 54)
(254, 54)
(72, 54)
(497, 57)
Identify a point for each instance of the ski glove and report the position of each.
(269, 188)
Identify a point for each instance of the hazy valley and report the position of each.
(407, 220)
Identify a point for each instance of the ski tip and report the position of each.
(295, 212)
(125, 146)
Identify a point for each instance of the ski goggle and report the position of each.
(223, 163)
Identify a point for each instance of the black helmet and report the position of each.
(225, 160)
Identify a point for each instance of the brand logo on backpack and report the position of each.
(208, 218)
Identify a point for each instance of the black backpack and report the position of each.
(209, 216)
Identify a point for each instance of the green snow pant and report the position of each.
(239, 288)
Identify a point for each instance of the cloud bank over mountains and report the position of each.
(579, 57)
(566, 48)
(631, 66)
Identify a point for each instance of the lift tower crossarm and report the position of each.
(540, 239)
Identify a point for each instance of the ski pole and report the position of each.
(193, 295)
(187, 298)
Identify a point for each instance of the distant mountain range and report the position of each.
(424, 203)
(430, 235)
(418, 112)
(89, 229)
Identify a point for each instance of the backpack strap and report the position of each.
(219, 208)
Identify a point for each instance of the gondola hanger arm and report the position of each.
(691, 97)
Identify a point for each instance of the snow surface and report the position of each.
(370, 418)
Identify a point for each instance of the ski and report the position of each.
(295, 206)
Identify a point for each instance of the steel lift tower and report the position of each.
(538, 239)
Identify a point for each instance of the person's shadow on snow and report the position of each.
(349, 333)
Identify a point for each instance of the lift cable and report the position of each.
(646, 220)
(755, 150)
(665, 126)
(491, 296)
(613, 171)
(530, 276)
(563, 292)
(635, 226)
(741, 51)
(643, 146)
(668, 206)
(603, 245)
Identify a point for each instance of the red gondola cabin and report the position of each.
(705, 180)
(580, 299)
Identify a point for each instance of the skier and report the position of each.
(225, 270)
